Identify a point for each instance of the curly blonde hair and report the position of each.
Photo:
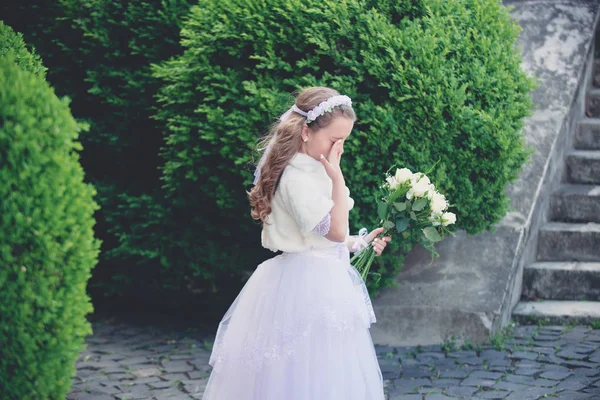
(287, 143)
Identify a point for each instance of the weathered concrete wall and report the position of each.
(471, 289)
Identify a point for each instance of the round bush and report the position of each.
(13, 45)
(432, 82)
(47, 245)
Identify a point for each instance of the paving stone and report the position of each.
(492, 394)
(194, 388)
(526, 380)
(418, 372)
(195, 374)
(470, 360)
(568, 395)
(545, 382)
(478, 382)
(527, 371)
(527, 355)
(556, 375)
(589, 372)
(575, 364)
(510, 386)
(406, 397)
(570, 385)
(594, 391)
(457, 373)
(529, 364)
(556, 368)
(161, 384)
(444, 383)
(485, 375)
(461, 391)
(531, 393)
(403, 387)
(568, 354)
(544, 350)
(430, 357)
(90, 396)
(146, 372)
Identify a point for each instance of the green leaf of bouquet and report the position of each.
(400, 206)
(413, 215)
(402, 224)
(419, 204)
(382, 210)
(387, 225)
(432, 234)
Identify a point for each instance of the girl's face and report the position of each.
(320, 142)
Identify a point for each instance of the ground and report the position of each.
(133, 360)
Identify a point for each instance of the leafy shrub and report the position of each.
(47, 245)
(432, 81)
(13, 45)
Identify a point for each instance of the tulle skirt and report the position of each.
(298, 330)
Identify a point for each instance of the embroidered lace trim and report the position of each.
(323, 227)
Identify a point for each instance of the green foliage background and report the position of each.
(431, 81)
(177, 97)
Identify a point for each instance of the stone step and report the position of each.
(560, 241)
(596, 73)
(562, 281)
(592, 103)
(587, 136)
(576, 203)
(583, 167)
(557, 312)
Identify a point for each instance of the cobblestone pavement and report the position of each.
(128, 361)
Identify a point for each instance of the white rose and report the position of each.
(438, 203)
(430, 191)
(448, 218)
(402, 175)
(420, 187)
(392, 182)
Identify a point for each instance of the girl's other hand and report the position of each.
(379, 244)
(332, 162)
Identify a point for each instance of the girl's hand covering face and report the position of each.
(332, 162)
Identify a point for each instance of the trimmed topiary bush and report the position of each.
(432, 81)
(47, 245)
(13, 45)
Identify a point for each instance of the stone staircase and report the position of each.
(563, 284)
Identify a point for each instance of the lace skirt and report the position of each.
(298, 330)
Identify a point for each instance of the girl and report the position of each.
(299, 329)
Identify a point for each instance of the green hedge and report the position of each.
(432, 81)
(13, 45)
(47, 245)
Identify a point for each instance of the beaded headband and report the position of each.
(322, 108)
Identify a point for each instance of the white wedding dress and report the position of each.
(298, 330)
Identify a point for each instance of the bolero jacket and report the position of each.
(302, 199)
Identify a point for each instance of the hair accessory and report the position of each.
(327, 106)
(322, 108)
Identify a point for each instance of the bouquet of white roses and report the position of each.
(413, 208)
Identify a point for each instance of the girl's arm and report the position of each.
(339, 212)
